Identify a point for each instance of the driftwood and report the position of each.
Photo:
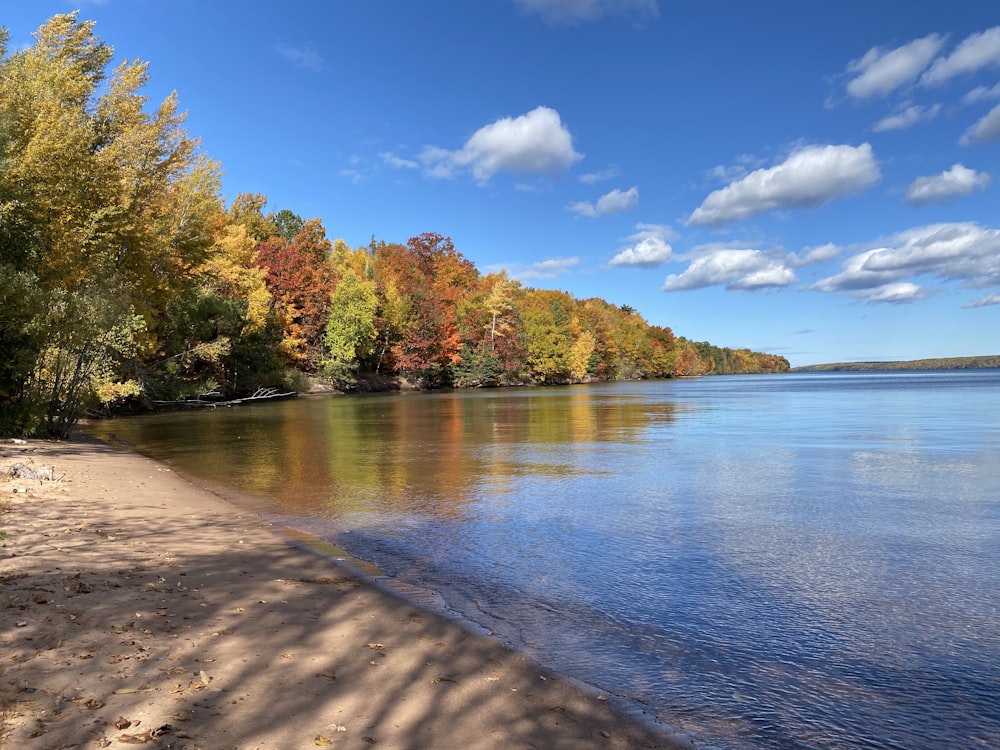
(261, 394)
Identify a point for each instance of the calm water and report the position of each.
(794, 561)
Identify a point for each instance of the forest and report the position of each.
(943, 363)
(127, 279)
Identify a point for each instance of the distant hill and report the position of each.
(946, 363)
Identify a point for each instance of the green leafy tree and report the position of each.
(89, 339)
(287, 223)
(350, 332)
(548, 336)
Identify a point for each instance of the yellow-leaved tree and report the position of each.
(106, 207)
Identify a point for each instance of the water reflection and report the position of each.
(796, 562)
(430, 454)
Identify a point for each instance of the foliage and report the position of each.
(424, 282)
(946, 363)
(350, 330)
(300, 280)
(105, 207)
(493, 351)
(89, 337)
(125, 279)
(22, 341)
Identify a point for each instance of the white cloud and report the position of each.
(809, 177)
(908, 117)
(646, 253)
(902, 292)
(882, 71)
(593, 178)
(959, 180)
(961, 252)
(982, 94)
(989, 299)
(610, 203)
(576, 11)
(813, 255)
(546, 269)
(532, 142)
(856, 275)
(650, 247)
(735, 269)
(981, 50)
(302, 57)
(984, 130)
(399, 162)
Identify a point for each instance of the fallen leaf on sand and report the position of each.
(322, 741)
(135, 739)
(191, 686)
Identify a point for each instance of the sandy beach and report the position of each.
(139, 609)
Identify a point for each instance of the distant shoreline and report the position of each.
(945, 363)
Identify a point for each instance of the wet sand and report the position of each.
(139, 609)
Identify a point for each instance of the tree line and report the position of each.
(941, 363)
(125, 278)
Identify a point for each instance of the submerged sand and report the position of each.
(139, 609)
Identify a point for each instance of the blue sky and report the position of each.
(816, 180)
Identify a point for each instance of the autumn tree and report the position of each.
(247, 210)
(422, 284)
(301, 282)
(687, 360)
(661, 352)
(222, 333)
(106, 206)
(578, 360)
(604, 321)
(492, 334)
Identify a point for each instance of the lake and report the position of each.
(788, 561)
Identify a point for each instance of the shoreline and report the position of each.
(139, 608)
